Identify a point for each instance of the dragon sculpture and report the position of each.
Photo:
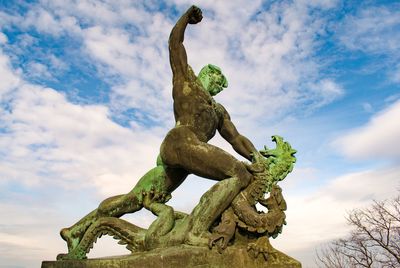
(275, 165)
(239, 224)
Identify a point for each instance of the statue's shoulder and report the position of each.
(187, 85)
(221, 111)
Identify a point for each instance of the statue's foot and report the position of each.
(72, 242)
(64, 256)
(69, 256)
(61, 256)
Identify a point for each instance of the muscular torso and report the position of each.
(195, 108)
(197, 118)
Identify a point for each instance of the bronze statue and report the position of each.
(185, 149)
(224, 210)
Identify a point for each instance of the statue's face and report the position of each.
(212, 79)
(218, 82)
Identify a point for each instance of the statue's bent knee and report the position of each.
(109, 206)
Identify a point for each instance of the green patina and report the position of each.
(212, 79)
(280, 161)
(154, 182)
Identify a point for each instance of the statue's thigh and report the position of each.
(208, 161)
(182, 149)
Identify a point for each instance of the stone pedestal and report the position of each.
(182, 256)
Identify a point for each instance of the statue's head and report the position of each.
(212, 79)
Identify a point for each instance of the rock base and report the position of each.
(182, 256)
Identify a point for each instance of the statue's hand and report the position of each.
(254, 168)
(195, 15)
(180, 215)
(149, 197)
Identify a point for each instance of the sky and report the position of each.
(85, 102)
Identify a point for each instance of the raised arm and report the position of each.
(177, 52)
(240, 143)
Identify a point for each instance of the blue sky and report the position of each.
(85, 101)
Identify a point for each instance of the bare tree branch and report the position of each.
(374, 241)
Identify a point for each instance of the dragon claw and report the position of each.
(254, 251)
(220, 241)
(261, 246)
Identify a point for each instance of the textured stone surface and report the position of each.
(182, 256)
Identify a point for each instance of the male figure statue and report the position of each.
(185, 149)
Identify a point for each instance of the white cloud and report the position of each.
(107, 13)
(43, 20)
(113, 48)
(141, 61)
(367, 107)
(326, 91)
(8, 80)
(378, 139)
(24, 235)
(3, 38)
(50, 140)
(395, 75)
(320, 215)
(57, 64)
(38, 70)
(272, 64)
(298, 177)
(373, 30)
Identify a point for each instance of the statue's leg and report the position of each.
(119, 205)
(212, 204)
(127, 233)
(161, 225)
(182, 149)
(115, 206)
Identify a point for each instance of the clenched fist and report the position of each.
(194, 14)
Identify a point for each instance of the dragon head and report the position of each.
(278, 161)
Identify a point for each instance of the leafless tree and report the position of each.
(373, 242)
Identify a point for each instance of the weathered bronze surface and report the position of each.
(183, 257)
(225, 220)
